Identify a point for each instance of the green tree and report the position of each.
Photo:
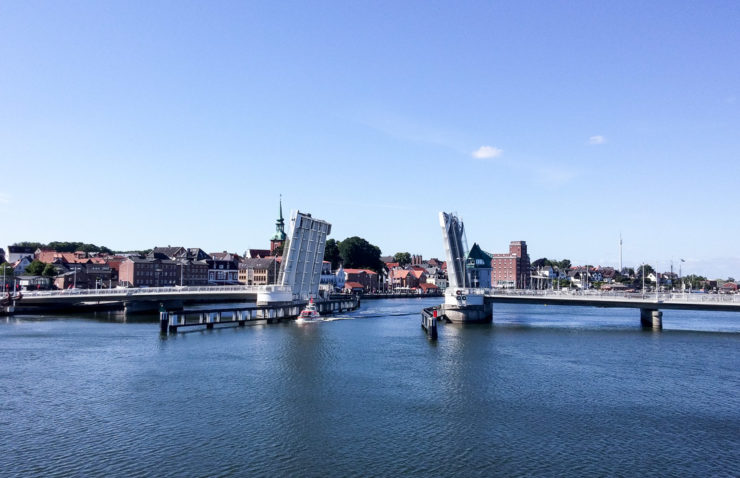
(35, 268)
(63, 246)
(541, 262)
(7, 269)
(402, 258)
(647, 268)
(34, 245)
(694, 281)
(331, 253)
(356, 252)
(49, 271)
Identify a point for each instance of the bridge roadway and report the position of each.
(142, 299)
(685, 301)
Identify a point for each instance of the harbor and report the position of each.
(541, 388)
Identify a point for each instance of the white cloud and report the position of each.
(486, 152)
(4, 198)
(596, 140)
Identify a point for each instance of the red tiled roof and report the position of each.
(353, 285)
(359, 271)
(425, 286)
(48, 256)
(400, 273)
(417, 273)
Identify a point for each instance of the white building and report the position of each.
(18, 252)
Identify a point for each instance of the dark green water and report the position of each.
(545, 391)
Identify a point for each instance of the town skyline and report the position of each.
(679, 266)
(564, 124)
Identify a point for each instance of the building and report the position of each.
(258, 271)
(328, 280)
(18, 252)
(439, 280)
(512, 269)
(34, 282)
(91, 275)
(257, 253)
(170, 252)
(365, 277)
(192, 263)
(353, 288)
(403, 279)
(19, 266)
(50, 256)
(223, 268)
(478, 267)
(428, 289)
(728, 288)
(192, 272)
(147, 272)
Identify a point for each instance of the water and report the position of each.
(546, 391)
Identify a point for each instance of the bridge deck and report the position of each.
(719, 302)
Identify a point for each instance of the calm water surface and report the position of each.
(545, 391)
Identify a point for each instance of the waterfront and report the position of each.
(543, 391)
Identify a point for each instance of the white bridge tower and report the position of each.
(462, 303)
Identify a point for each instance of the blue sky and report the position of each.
(134, 124)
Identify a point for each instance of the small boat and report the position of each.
(309, 314)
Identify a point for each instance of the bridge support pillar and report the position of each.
(467, 308)
(651, 318)
(164, 320)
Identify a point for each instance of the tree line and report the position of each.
(64, 246)
(353, 253)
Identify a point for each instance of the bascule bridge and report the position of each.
(468, 272)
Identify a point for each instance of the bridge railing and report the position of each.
(156, 290)
(683, 297)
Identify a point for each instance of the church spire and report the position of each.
(280, 225)
(280, 219)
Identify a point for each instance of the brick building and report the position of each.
(148, 271)
(192, 264)
(366, 277)
(511, 270)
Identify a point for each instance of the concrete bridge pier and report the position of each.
(464, 308)
(651, 319)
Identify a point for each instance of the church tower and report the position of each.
(278, 239)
